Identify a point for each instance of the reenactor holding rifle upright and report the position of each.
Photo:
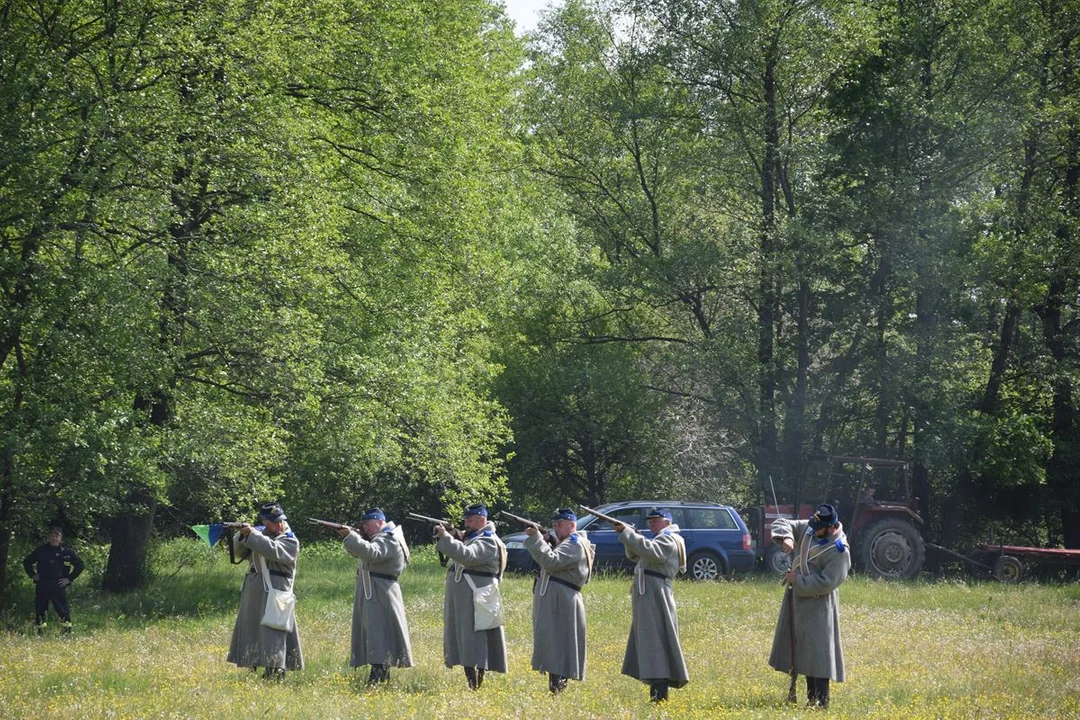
(472, 633)
(558, 610)
(816, 573)
(653, 651)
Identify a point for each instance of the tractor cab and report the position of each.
(885, 533)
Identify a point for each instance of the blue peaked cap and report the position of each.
(659, 512)
(373, 514)
(824, 516)
(272, 511)
(477, 509)
(564, 514)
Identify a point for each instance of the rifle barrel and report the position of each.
(327, 523)
(524, 521)
(427, 519)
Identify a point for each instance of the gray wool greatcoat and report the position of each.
(480, 552)
(558, 609)
(380, 634)
(653, 651)
(821, 566)
(253, 644)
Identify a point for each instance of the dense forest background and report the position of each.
(345, 252)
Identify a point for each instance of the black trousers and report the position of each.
(817, 691)
(43, 595)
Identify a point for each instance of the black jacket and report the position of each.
(52, 564)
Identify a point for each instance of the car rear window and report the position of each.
(709, 519)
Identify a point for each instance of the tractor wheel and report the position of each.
(1008, 569)
(777, 561)
(704, 566)
(892, 549)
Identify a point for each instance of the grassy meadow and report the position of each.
(949, 649)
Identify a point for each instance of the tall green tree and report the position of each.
(415, 112)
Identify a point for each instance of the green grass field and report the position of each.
(913, 650)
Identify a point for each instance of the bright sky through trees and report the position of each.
(524, 13)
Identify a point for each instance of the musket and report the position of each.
(548, 535)
(331, 525)
(524, 521)
(602, 516)
(228, 541)
(454, 532)
(434, 521)
(791, 628)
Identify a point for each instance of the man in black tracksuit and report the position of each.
(51, 576)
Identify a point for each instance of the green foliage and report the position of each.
(827, 227)
(345, 252)
(250, 250)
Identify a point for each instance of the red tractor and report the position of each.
(885, 534)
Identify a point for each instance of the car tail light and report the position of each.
(746, 545)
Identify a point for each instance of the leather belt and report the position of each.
(662, 576)
(384, 576)
(567, 583)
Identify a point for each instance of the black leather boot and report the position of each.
(811, 692)
(823, 692)
(556, 683)
(379, 674)
(470, 675)
(658, 691)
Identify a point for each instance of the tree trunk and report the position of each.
(879, 287)
(1063, 470)
(6, 484)
(768, 302)
(131, 529)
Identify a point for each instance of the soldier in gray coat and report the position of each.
(477, 560)
(271, 548)
(653, 652)
(380, 635)
(558, 610)
(816, 573)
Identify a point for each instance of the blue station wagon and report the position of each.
(717, 541)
